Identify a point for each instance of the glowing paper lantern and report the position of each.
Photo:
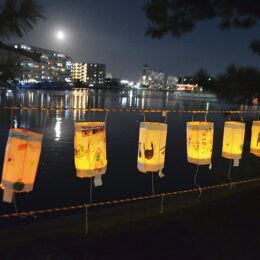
(21, 161)
(199, 142)
(90, 150)
(255, 139)
(233, 141)
(151, 147)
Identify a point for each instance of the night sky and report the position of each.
(113, 32)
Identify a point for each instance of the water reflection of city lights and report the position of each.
(57, 129)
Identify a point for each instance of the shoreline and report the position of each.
(113, 221)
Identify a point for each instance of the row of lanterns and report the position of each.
(24, 147)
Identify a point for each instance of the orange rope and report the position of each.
(127, 200)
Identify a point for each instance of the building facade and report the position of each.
(54, 66)
(92, 74)
(157, 80)
(79, 72)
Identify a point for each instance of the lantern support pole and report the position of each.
(232, 184)
(195, 181)
(162, 204)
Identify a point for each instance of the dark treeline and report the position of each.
(238, 84)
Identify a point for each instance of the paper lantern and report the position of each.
(21, 161)
(233, 141)
(151, 147)
(255, 139)
(90, 150)
(199, 142)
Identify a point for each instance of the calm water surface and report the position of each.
(56, 182)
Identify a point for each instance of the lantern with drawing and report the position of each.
(151, 147)
(90, 150)
(199, 142)
(255, 139)
(233, 141)
(21, 161)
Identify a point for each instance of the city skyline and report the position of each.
(113, 33)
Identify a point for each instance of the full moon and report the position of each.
(60, 35)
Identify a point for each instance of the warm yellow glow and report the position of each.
(21, 161)
(151, 147)
(199, 142)
(233, 140)
(90, 149)
(255, 139)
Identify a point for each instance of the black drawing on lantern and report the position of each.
(149, 153)
(139, 150)
(258, 140)
(162, 150)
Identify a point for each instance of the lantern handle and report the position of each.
(192, 117)
(144, 116)
(206, 114)
(229, 117)
(241, 118)
(165, 114)
(106, 116)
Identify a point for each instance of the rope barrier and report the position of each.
(132, 110)
(121, 201)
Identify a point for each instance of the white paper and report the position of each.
(236, 163)
(8, 195)
(160, 174)
(98, 181)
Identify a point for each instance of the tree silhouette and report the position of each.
(179, 17)
(17, 18)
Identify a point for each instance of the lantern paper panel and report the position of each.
(233, 141)
(151, 147)
(90, 150)
(21, 161)
(199, 142)
(255, 139)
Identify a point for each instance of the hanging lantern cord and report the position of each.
(86, 227)
(232, 184)
(45, 121)
(90, 192)
(14, 202)
(195, 181)
(229, 117)
(192, 117)
(153, 184)
(144, 116)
